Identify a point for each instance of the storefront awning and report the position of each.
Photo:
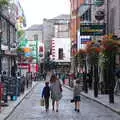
(83, 9)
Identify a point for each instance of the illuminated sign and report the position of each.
(92, 29)
(85, 39)
(99, 3)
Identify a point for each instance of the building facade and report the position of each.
(34, 36)
(8, 18)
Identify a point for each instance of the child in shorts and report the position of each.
(76, 95)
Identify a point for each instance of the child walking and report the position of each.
(46, 95)
(76, 95)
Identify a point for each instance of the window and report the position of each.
(35, 37)
(60, 53)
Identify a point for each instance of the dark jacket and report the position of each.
(46, 92)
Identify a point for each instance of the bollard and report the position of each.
(1, 94)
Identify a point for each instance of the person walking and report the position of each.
(5, 82)
(48, 76)
(46, 95)
(56, 91)
(76, 95)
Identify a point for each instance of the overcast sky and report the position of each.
(36, 10)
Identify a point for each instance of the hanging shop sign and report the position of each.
(92, 29)
(99, 3)
(85, 39)
(99, 15)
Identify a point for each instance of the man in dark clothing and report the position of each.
(118, 73)
(5, 82)
(46, 95)
(89, 79)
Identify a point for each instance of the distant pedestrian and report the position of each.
(48, 76)
(22, 83)
(46, 95)
(18, 84)
(4, 79)
(89, 79)
(76, 95)
(56, 91)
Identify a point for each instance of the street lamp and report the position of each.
(0, 45)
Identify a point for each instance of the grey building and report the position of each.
(34, 35)
(8, 38)
(113, 16)
(35, 32)
(49, 27)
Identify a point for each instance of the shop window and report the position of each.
(35, 37)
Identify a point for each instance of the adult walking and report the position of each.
(48, 76)
(56, 91)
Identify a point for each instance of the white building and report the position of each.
(61, 49)
(61, 43)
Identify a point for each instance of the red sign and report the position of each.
(34, 68)
(41, 49)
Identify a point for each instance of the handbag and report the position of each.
(42, 102)
(73, 100)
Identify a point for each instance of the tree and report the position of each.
(3, 3)
(20, 33)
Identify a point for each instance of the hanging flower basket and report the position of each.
(109, 48)
(80, 56)
(93, 50)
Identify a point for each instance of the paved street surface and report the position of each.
(30, 109)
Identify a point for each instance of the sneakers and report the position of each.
(47, 110)
(53, 109)
(77, 110)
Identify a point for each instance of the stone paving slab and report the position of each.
(6, 111)
(30, 109)
(103, 99)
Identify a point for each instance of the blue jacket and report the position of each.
(46, 92)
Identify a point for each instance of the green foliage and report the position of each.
(20, 51)
(3, 3)
(20, 33)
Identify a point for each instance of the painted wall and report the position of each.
(64, 43)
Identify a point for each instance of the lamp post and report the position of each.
(36, 55)
(0, 40)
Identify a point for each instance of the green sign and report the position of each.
(99, 3)
(92, 29)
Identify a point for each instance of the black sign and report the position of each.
(92, 29)
(99, 15)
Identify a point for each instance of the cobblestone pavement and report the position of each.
(30, 109)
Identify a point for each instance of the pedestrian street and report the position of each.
(30, 108)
